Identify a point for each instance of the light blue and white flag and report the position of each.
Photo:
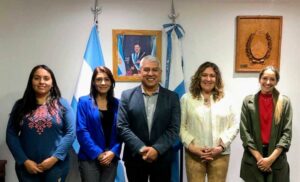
(92, 58)
(175, 81)
(121, 58)
(174, 63)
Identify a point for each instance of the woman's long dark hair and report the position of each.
(110, 94)
(195, 87)
(28, 102)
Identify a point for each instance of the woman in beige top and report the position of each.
(208, 126)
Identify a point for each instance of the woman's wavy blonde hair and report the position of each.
(277, 97)
(195, 87)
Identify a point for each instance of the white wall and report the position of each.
(54, 32)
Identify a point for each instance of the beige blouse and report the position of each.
(207, 126)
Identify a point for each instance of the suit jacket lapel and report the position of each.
(141, 106)
(158, 105)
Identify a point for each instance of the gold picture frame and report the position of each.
(258, 42)
(125, 44)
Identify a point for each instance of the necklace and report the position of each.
(206, 98)
(206, 101)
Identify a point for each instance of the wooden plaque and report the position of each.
(258, 42)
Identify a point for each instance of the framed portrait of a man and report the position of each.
(129, 48)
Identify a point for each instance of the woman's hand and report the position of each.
(32, 167)
(203, 152)
(265, 164)
(215, 151)
(206, 154)
(47, 163)
(210, 153)
(194, 149)
(106, 157)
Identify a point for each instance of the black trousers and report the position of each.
(141, 172)
(265, 154)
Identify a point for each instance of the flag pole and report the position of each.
(173, 15)
(96, 11)
(177, 164)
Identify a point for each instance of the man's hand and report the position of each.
(149, 154)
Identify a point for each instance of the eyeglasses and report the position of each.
(100, 80)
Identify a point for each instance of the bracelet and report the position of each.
(223, 148)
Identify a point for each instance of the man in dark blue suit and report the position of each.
(137, 56)
(148, 123)
(133, 63)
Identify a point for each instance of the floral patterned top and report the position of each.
(45, 132)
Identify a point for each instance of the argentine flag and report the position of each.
(175, 81)
(174, 64)
(121, 57)
(92, 58)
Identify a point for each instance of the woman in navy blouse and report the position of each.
(96, 129)
(41, 130)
